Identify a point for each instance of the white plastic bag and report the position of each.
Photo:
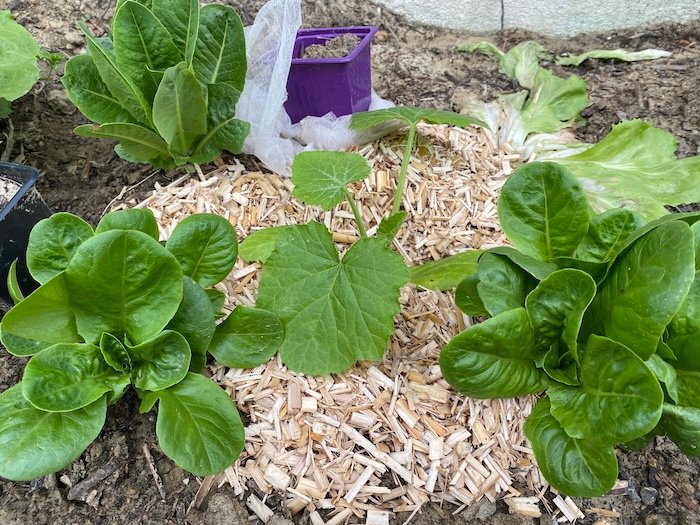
(273, 138)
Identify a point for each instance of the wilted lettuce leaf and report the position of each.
(635, 167)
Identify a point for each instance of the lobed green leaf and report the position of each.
(320, 178)
(334, 312)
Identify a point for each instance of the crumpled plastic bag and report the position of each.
(273, 138)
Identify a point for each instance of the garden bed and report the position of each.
(83, 176)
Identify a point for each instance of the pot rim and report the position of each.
(25, 176)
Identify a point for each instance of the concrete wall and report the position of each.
(560, 18)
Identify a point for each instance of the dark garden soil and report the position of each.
(412, 65)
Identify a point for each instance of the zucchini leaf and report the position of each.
(334, 312)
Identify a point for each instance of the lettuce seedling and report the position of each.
(166, 84)
(600, 311)
(335, 311)
(117, 308)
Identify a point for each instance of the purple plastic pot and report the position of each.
(316, 86)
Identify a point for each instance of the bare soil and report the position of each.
(338, 47)
(411, 65)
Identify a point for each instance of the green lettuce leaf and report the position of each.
(160, 362)
(66, 377)
(198, 426)
(247, 338)
(635, 167)
(219, 54)
(494, 358)
(181, 19)
(644, 288)
(141, 220)
(52, 244)
(614, 54)
(90, 94)
(125, 283)
(180, 109)
(577, 467)
(616, 387)
(34, 443)
(18, 69)
(141, 42)
(445, 273)
(206, 247)
(543, 211)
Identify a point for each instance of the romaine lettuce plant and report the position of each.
(117, 308)
(165, 84)
(600, 311)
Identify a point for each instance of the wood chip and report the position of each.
(525, 506)
(258, 508)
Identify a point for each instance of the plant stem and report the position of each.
(356, 213)
(400, 185)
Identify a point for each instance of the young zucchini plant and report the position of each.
(117, 308)
(165, 84)
(599, 311)
(334, 311)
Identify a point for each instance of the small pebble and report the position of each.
(486, 510)
(648, 495)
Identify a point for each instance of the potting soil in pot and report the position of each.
(337, 47)
(8, 189)
(387, 436)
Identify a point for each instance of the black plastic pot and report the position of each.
(17, 218)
